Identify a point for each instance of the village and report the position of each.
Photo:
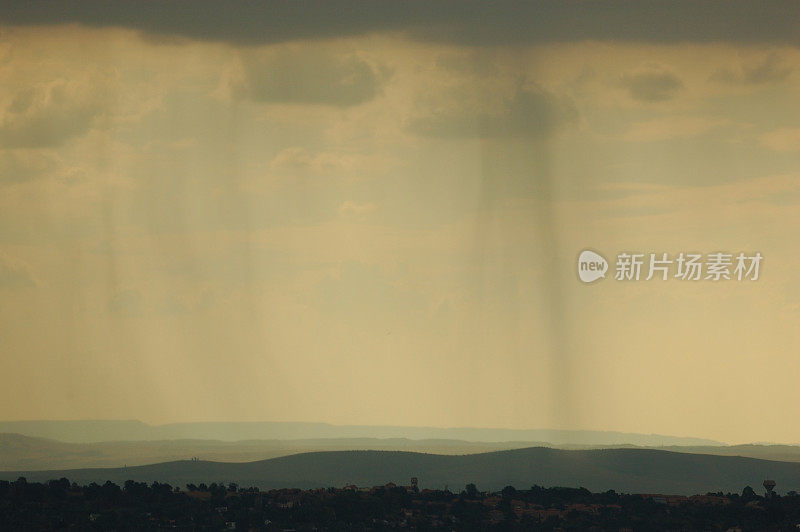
(60, 504)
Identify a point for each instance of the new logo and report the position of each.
(591, 266)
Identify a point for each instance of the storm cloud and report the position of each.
(470, 23)
(652, 86)
(310, 77)
(48, 115)
(770, 70)
(530, 112)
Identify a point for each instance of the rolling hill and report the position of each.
(84, 431)
(18, 452)
(626, 470)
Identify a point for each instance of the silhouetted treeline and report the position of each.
(59, 504)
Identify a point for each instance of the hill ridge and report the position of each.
(626, 470)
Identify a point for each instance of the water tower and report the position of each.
(769, 485)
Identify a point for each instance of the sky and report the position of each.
(371, 213)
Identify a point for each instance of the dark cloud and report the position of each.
(469, 22)
(470, 63)
(46, 116)
(652, 86)
(770, 70)
(310, 77)
(531, 112)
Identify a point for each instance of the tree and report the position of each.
(509, 492)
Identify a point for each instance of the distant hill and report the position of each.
(18, 452)
(99, 430)
(625, 470)
(784, 453)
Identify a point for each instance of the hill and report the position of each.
(626, 470)
(18, 452)
(84, 431)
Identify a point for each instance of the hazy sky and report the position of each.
(371, 214)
